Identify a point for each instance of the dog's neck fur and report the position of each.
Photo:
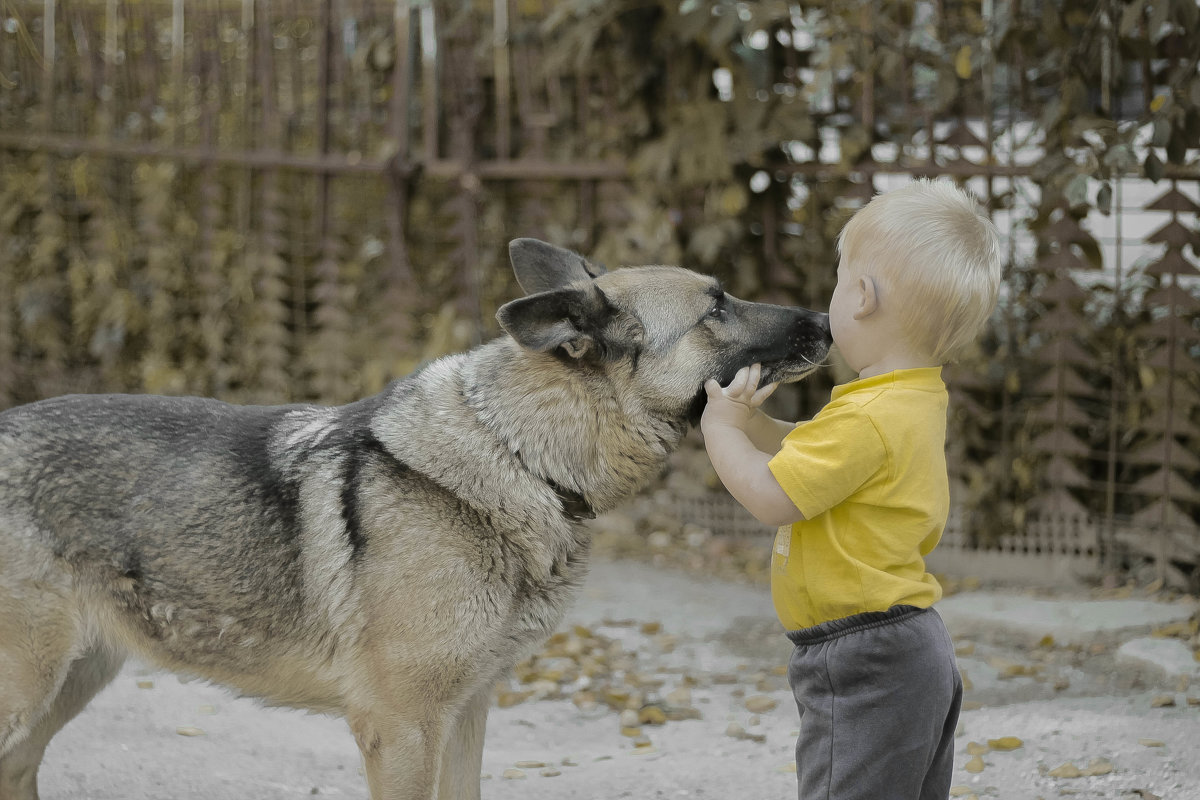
(538, 419)
(569, 425)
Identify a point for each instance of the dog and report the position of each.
(387, 560)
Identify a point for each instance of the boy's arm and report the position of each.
(768, 433)
(741, 465)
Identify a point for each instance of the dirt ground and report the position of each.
(1075, 697)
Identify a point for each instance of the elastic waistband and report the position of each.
(853, 624)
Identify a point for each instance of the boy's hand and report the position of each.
(737, 403)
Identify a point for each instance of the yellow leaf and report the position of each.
(1098, 766)
(962, 63)
(976, 749)
(1067, 770)
(1158, 102)
(974, 765)
(1005, 743)
(1152, 743)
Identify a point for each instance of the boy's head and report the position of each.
(934, 259)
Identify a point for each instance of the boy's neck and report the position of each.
(890, 362)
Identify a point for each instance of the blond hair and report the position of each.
(929, 247)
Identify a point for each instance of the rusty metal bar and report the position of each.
(177, 53)
(48, 58)
(429, 80)
(514, 169)
(503, 79)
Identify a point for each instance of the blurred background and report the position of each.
(272, 202)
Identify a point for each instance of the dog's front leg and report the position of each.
(463, 756)
(401, 754)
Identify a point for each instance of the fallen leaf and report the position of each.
(1162, 701)
(965, 649)
(145, 684)
(1005, 743)
(651, 628)
(974, 765)
(513, 774)
(679, 697)
(1046, 641)
(652, 715)
(189, 730)
(1098, 766)
(1152, 743)
(1067, 770)
(976, 749)
(1174, 629)
(1146, 794)
(736, 731)
(959, 791)
(631, 732)
(760, 703)
(530, 764)
(550, 773)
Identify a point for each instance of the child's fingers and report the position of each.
(712, 388)
(755, 375)
(738, 384)
(763, 393)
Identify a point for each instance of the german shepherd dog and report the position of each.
(387, 560)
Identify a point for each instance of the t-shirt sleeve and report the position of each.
(828, 458)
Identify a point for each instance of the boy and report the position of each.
(862, 496)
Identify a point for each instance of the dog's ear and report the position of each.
(541, 267)
(571, 318)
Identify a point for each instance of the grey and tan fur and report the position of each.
(386, 560)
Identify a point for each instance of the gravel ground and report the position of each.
(1047, 675)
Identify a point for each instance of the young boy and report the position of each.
(862, 496)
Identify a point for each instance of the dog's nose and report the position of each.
(823, 324)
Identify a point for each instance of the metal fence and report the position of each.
(267, 201)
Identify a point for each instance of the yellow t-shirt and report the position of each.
(868, 473)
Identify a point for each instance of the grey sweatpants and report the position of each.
(879, 696)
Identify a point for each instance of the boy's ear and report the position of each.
(868, 298)
(570, 318)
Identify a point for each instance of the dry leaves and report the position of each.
(1097, 766)
(597, 672)
(760, 704)
(1005, 743)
